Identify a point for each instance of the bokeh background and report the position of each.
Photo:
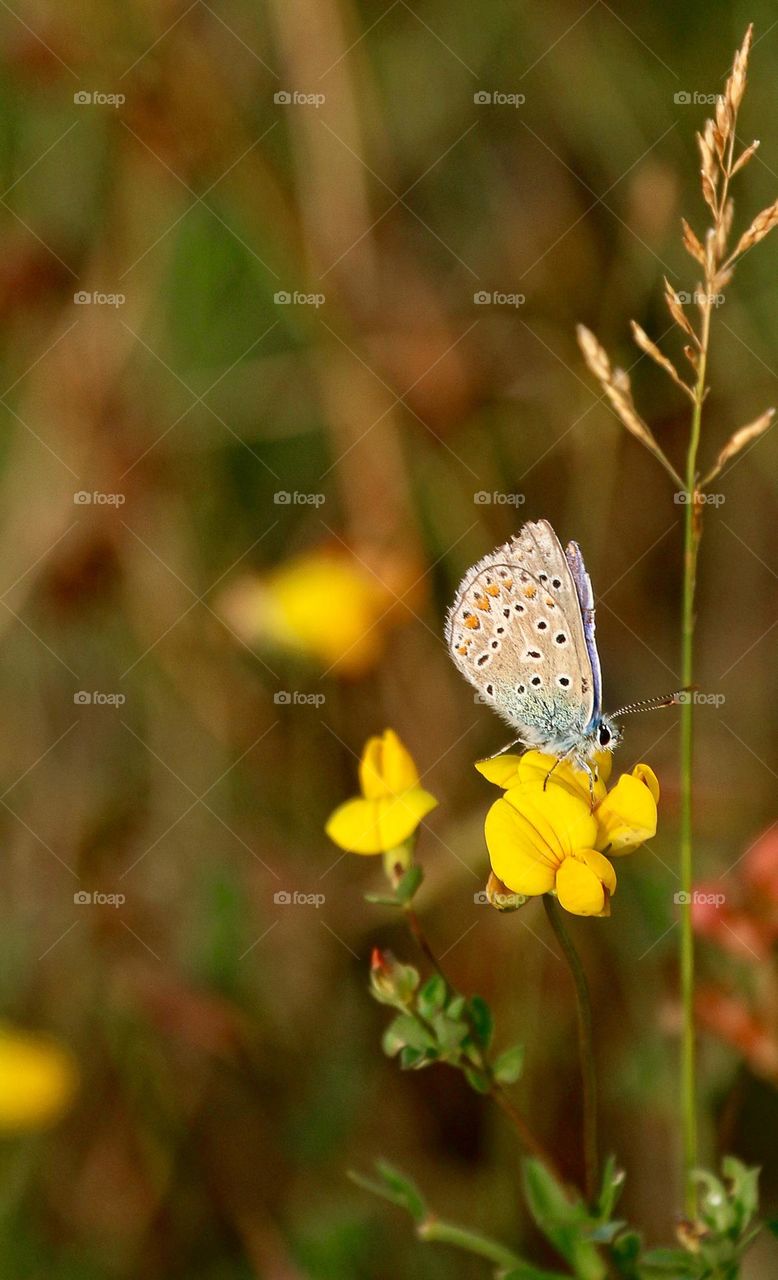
(256, 424)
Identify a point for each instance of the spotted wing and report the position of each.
(516, 632)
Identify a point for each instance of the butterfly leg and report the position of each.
(517, 742)
(557, 762)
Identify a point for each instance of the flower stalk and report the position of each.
(585, 1047)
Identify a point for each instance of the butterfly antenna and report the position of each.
(652, 704)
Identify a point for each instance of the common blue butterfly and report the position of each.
(521, 630)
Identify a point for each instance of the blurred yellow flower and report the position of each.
(392, 803)
(544, 836)
(38, 1079)
(324, 605)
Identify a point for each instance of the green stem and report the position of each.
(439, 1232)
(692, 532)
(585, 1046)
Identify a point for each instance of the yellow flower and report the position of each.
(392, 803)
(325, 605)
(37, 1081)
(544, 836)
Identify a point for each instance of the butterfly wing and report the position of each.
(516, 632)
(583, 586)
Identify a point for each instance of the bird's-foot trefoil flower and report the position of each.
(550, 834)
(392, 804)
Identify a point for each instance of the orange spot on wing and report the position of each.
(463, 650)
(481, 602)
(530, 591)
(492, 589)
(472, 623)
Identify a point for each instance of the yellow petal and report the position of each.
(537, 767)
(375, 826)
(386, 767)
(38, 1079)
(646, 774)
(559, 819)
(627, 815)
(503, 770)
(522, 862)
(600, 865)
(579, 889)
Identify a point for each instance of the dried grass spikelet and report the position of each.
(651, 349)
(616, 386)
(762, 224)
(692, 244)
(738, 441)
(676, 310)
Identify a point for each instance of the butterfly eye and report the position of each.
(603, 735)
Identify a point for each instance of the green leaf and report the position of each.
(450, 1034)
(406, 1030)
(744, 1189)
(671, 1263)
(412, 1059)
(508, 1065)
(432, 996)
(611, 1188)
(409, 883)
(482, 1020)
(477, 1080)
(404, 1188)
(456, 1007)
(564, 1221)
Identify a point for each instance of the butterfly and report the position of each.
(521, 630)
